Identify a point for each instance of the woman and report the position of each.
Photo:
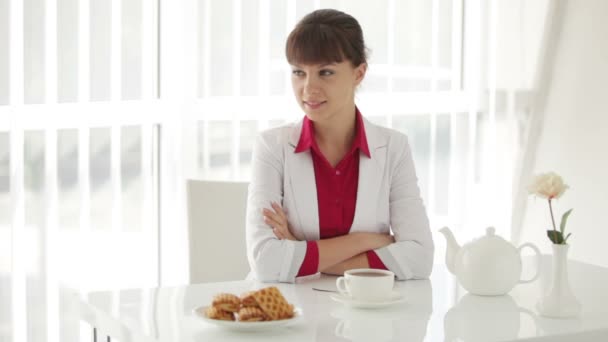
(327, 191)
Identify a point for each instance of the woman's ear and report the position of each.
(360, 73)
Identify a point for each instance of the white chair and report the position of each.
(216, 226)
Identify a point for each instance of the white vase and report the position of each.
(559, 301)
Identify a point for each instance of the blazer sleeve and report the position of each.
(411, 256)
(271, 259)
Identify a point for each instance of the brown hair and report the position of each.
(326, 36)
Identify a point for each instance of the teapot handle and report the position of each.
(537, 251)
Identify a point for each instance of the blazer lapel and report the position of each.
(371, 171)
(301, 179)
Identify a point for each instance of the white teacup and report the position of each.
(366, 284)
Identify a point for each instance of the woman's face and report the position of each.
(326, 92)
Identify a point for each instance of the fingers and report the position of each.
(278, 214)
(278, 209)
(278, 234)
(274, 220)
(277, 220)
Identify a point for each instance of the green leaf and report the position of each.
(566, 239)
(555, 236)
(562, 225)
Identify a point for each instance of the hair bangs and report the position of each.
(314, 44)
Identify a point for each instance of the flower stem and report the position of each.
(553, 221)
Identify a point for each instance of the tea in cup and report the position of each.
(366, 284)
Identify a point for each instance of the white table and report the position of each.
(435, 310)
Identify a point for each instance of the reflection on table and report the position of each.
(434, 310)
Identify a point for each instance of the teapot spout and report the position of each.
(452, 249)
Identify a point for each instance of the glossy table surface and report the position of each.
(437, 309)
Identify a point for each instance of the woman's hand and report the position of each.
(377, 240)
(277, 219)
(388, 239)
(338, 250)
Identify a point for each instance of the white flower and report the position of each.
(551, 186)
(548, 185)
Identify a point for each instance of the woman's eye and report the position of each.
(326, 72)
(297, 72)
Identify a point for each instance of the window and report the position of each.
(113, 111)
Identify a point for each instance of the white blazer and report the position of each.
(388, 198)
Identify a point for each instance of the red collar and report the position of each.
(307, 136)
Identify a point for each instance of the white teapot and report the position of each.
(487, 266)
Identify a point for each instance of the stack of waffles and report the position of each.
(267, 304)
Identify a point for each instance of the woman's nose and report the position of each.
(311, 86)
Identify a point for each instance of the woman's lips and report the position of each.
(313, 104)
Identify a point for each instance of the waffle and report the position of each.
(215, 313)
(267, 304)
(272, 302)
(248, 301)
(226, 302)
(252, 314)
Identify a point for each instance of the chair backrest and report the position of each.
(216, 227)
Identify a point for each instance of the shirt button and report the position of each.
(337, 172)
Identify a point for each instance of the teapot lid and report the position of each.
(492, 243)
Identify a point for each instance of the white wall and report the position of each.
(573, 140)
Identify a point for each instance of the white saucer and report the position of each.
(248, 326)
(393, 299)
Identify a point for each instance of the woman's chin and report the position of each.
(313, 114)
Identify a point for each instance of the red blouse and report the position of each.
(336, 192)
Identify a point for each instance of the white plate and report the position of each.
(248, 326)
(394, 298)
